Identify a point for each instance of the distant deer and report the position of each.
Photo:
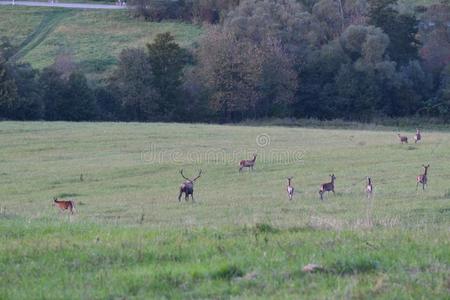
(369, 187)
(418, 136)
(423, 178)
(403, 139)
(64, 205)
(290, 188)
(247, 163)
(187, 187)
(327, 187)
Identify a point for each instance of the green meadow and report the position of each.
(131, 238)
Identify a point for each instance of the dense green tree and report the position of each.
(8, 90)
(167, 60)
(133, 83)
(28, 104)
(401, 29)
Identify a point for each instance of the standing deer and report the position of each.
(369, 187)
(290, 188)
(247, 163)
(327, 187)
(64, 205)
(403, 139)
(418, 136)
(423, 178)
(187, 187)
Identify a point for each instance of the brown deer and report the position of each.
(64, 205)
(418, 136)
(247, 163)
(290, 188)
(403, 139)
(423, 178)
(369, 187)
(187, 187)
(327, 187)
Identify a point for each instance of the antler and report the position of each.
(199, 174)
(181, 172)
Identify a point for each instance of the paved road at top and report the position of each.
(64, 5)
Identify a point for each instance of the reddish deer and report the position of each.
(327, 187)
(418, 136)
(187, 187)
(423, 178)
(290, 188)
(403, 139)
(64, 205)
(247, 163)
(369, 187)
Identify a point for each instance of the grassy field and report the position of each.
(242, 238)
(94, 38)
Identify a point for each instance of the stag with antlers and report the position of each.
(247, 163)
(187, 187)
(327, 187)
(417, 136)
(290, 188)
(423, 178)
(403, 138)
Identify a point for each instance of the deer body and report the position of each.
(290, 188)
(403, 139)
(423, 178)
(187, 187)
(369, 187)
(247, 163)
(64, 205)
(327, 187)
(418, 136)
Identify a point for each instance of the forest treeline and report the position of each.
(325, 59)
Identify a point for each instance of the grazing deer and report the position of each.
(403, 139)
(369, 187)
(247, 163)
(64, 205)
(327, 187)
(423, 178)
(187, 187)
(290, 188)
(418, 136)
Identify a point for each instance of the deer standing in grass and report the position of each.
(418, 136)
(369, 187)
(327, 187)
(247, 163)
(64, 205)
(290, 188)
(403, 139)
(423, 178)
(187, 187)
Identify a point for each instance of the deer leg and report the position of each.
(417, 185)
(192, 196)
(179, 196)
(321, 195)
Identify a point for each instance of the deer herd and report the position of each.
(187, 187)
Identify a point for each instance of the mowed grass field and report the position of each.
(131, 239)
(94, 38)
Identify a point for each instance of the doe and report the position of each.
(327, 187)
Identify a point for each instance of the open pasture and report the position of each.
(131, 238)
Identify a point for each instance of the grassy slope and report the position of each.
(131, 237)
(94, 38)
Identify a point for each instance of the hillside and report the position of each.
(93, 38)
